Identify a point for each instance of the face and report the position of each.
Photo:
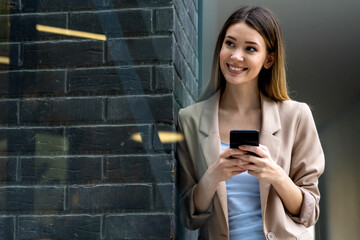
(243, 54)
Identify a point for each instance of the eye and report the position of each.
(251, 49)
(229, 43)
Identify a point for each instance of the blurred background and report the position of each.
(322, 49)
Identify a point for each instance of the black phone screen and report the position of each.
(244, 137)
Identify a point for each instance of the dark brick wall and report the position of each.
(69, 106)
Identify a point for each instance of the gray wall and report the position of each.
(321, 40)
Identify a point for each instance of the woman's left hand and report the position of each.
(261, 166)
(265, 169)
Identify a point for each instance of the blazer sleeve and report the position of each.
(307, 164)
(186, 182)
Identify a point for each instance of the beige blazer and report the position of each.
(289, 132)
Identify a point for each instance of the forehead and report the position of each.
(243, 32)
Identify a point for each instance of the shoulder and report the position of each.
(292, 108)
(190, 115)
(292, 105)
(195, 111)
(296, 115)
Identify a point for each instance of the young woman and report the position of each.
(228, 193)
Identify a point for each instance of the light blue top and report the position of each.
(243, 197)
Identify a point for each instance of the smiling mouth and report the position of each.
(236, 68)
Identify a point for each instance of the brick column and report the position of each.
(69, 106)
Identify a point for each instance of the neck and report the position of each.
(240, 98)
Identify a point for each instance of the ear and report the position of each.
(269, 61)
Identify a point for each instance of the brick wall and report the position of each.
(68, 106)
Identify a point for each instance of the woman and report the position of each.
(229, 193)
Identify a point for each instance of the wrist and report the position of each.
(210, 180)
(281, 177)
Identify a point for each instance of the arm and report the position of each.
(186, 183)
(299, 191)
(196, 197)
(308, 164)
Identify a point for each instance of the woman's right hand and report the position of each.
(225, 167)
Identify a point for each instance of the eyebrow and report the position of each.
(248, 42)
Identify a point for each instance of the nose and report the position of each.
(238, 55)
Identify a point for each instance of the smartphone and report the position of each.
(244, 137)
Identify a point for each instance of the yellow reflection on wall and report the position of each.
(4, 60)
(136, 137)
(165, 137)
(68, 32)
(170, 137)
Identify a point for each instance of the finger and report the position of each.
(265, 150)
(264, 147)
(238, 172)
(228, 152)
(238, 156)
(252, 167)
(254, 149)
(253, 173)
(232, 163)
(239, 164)
(242, 163)
(250, 159)
(239, 169)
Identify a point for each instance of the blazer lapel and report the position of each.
(270, 125)
(209, 127)
(210, 144)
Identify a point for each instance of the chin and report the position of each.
(241, 82)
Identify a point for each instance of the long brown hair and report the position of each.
(272, 81)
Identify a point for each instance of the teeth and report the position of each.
(236, 69)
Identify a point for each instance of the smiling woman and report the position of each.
(243, 43)
(230, 193)
(270, 34)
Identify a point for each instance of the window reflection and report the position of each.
(77, 80)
